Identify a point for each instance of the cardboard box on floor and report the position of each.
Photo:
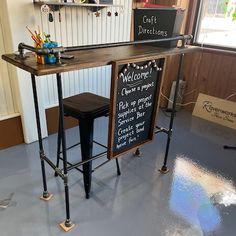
(216, 110)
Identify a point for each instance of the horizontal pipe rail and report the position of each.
(107, 45)
(161, 129)
(70, 164)
(58, 50)
(102, 164)
(86, 161)
(50, 163)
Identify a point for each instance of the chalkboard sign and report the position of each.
(158, 23)
(134, 100)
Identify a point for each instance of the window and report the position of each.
(217, 23)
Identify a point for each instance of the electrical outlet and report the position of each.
(181, 91)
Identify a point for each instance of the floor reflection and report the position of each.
(196, 194)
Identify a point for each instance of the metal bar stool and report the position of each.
(85, 107)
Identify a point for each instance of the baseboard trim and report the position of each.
(11, 132)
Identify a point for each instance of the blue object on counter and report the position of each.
(50, 58)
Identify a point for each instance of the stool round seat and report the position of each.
(86, 106)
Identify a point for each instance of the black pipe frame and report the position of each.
(58, 50)
(64, 174)
(68, 222)
(40, 142)
(169, 131)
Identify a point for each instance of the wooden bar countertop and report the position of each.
(93, 58)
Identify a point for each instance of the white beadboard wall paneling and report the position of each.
(80, 26)
(8, 108)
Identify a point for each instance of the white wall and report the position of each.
(79, 26)
(18, 14)
(7, 106)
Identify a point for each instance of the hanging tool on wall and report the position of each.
(59, 15)
(46, 9)
(50, 17)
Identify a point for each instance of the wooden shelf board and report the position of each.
(71, 4)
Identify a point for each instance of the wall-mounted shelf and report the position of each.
(71, 4)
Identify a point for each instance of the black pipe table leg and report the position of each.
(229, 147)
(86, 140)
(58, 146)
(118, 167)
(137, 153)
(164, 168)
(67, 224)
(46, 195)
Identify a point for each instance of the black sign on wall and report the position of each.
(134, 101)
(158, 23)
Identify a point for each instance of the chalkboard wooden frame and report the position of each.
(116, 65)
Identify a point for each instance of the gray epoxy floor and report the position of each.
(197, 197)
